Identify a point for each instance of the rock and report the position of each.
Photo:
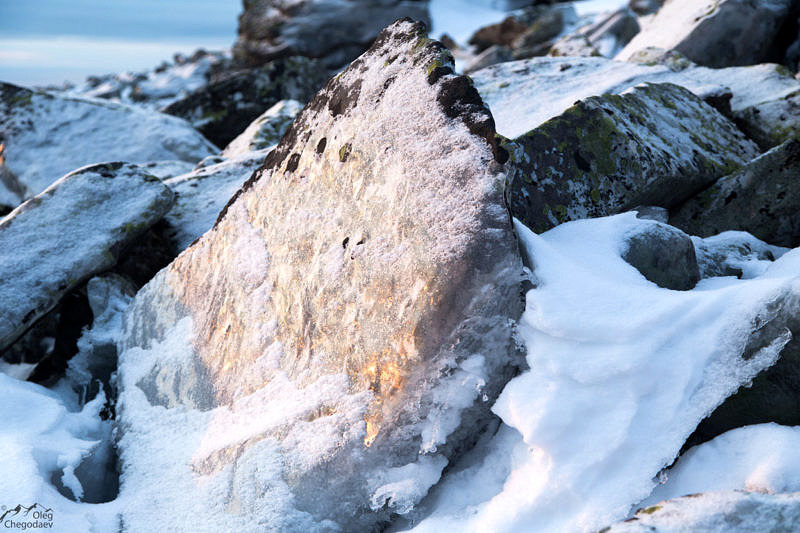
(652, 212)
(664, 255)
(76, 228)
(157, 87)
(502, 33)
(266, 130)
(734, 253)
(37, 126)
(164, 170)
(203, 193)
(573, 45)
(344, 327)
(773, 120)
(523, 94)
(716, 512)
(715, 33)
(12, 192)
(223, 110)
(761, 198)
(614, 32)
(658, 144)
(645, 7)
(544, 29)
(491, 56)
(335, 32)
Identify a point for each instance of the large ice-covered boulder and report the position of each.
(334, 31)
(715, 33)
(47, 135)
(75, 228)
(315, 359)
(656, 145)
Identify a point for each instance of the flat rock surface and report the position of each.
(46, 135)
(75, 228)
(656, 145)
(342, 330)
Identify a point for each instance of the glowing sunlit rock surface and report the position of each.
(323, 352)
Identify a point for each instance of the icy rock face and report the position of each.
(714, 33)
(342, 330)
(655, 145)
(37, 126)
(761, 198)
(203, 192)
(524, 94)
(75, 228)
(716, 512)
(734, 253)
(266, 130)
(222, 110)
(12, 192)
(664, 255)
(334, 31)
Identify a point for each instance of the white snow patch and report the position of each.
(621, 373)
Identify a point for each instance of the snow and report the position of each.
(44, 439)
(621, 373)
(761, 458)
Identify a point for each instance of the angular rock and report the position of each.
(716, 512)
(491, 56)
(664, 255)
(335, 32)
(343, 329)
(46, 135)
(761, 198)
(523, 94)
(656, 145)
(502, 33)
(603, 38)
(224, 109)
(76, 228)
(573, 45)
(203, 193)
(715, 33)
(266, 130)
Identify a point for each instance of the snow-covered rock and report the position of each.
(266, 130)
(645, 7)
(734, 253)
(12, 192)
(47, 135)
(203, 192)
(657, 144)
(315, 359)
(73, 229)
(334, 31)
(524, 94)
(222, 110)
(621, 372)
(761, 198)
(716, 512)
(714, 33)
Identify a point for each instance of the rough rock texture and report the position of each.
(715, 33)
(266, 130)
(664, 255)
(656, 145)
(223, 110)
(46, 135)
(716, 512)
(348, 320)
(75, 228)
(523, 94)
(761, 198)
(334, 31)
(203, 192)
